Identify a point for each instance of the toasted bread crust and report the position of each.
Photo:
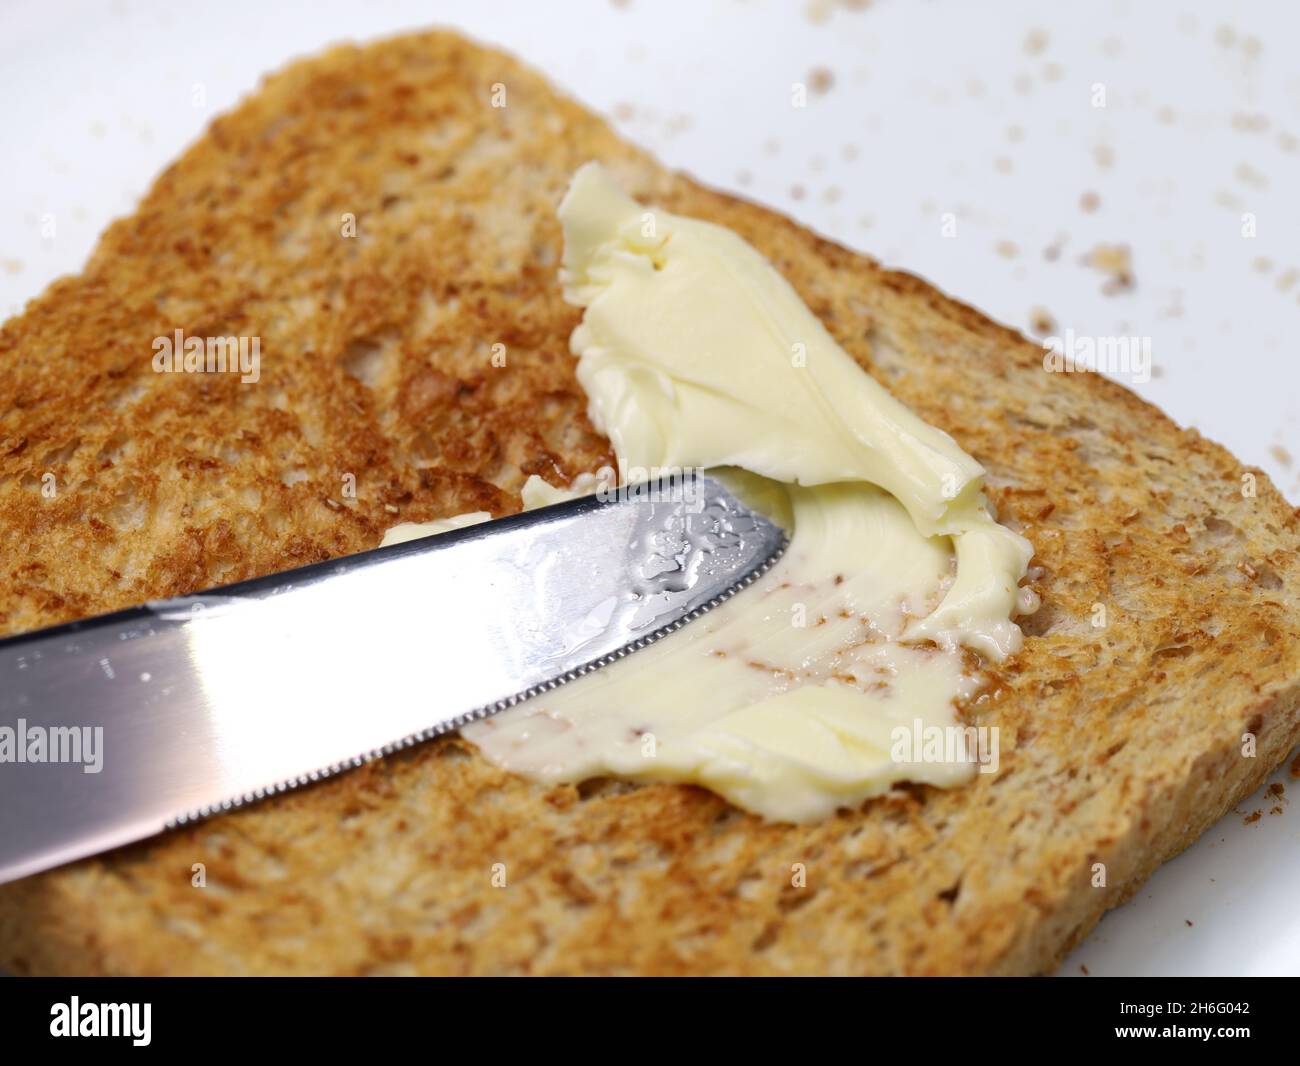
(1120, 743)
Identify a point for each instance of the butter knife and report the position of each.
(118, 727)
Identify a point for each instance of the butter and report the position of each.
(789, 698)
(781, 699)
(404, 531)
(694, 351)
(536, 493)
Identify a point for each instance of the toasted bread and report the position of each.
(1121, 730)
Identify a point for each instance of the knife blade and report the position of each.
(115, 728)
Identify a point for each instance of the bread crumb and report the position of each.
(1245, 172)
(1116, 261)
(1007, 249)
(1089, 201)
(821, 80)
(1036, 42)
(818, 12)
(1281, 455)
(1248, 123)
(1252, 818)
(1041, 321)
(1104, 156)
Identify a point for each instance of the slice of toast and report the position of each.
(1169, 572)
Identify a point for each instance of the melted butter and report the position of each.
(783, 698)
(791, 698)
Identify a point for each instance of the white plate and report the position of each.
(931, 109)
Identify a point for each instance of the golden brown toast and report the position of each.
(1120, 743)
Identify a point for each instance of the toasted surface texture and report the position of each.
(1120, 743)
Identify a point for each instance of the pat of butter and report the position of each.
(694, 351)
(791, 698)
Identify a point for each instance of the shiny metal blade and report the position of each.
(115, 728)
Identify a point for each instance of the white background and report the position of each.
(915, 110)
